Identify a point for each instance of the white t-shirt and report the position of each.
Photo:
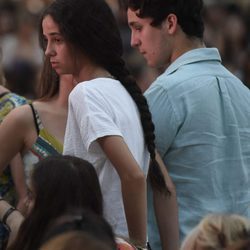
(97, 108)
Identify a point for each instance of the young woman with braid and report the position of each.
(109, 123)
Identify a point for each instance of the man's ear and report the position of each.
(170, 24)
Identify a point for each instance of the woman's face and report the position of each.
(56, 48)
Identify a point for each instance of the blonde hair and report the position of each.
(217, 232)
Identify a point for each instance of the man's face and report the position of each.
(152, 42)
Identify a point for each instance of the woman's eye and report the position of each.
(58, 40)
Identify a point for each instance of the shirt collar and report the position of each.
(194, 56)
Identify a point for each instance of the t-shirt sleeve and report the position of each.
(93, 114)
(164, 117)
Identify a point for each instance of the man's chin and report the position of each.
(150, 64)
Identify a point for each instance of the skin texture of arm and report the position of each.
(16, 131)
(133, 185)
(14, 220)
(18, 176)
(166, 212)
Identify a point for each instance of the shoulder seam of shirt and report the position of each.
(170, 101)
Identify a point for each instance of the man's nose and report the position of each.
(134, 41)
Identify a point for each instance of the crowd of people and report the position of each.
(103, 152)
(227, 28)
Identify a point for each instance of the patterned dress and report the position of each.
(45, 145)
(8, 101)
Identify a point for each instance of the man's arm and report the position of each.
(166, 212)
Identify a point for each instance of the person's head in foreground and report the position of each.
(88, 232)
(219, 231)
(61, 187)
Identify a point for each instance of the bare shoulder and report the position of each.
(21, 116)
(50, 107)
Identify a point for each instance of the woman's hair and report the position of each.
(2, 77)
(189, 13)
(76, 240)
(90, 27)
(219, 231)
(61, 184)
(48, 86)
(90, 228)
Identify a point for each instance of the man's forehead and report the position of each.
(133, 17)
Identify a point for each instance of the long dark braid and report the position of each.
(120, 72)
(81, 23)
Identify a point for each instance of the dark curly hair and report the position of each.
(188, 12)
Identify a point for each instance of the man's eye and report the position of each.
(138, 28)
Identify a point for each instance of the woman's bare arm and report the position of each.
(13, 221)
(15, 132)
(18, 176)
(133, 185)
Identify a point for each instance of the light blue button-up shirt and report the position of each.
(202, 118)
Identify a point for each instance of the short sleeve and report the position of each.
(93, 114)
(163, 116)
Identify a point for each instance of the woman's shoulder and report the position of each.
(97, 85)
(21, 115)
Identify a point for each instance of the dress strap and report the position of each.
(36, 118)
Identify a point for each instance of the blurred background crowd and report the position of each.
(227, 27)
